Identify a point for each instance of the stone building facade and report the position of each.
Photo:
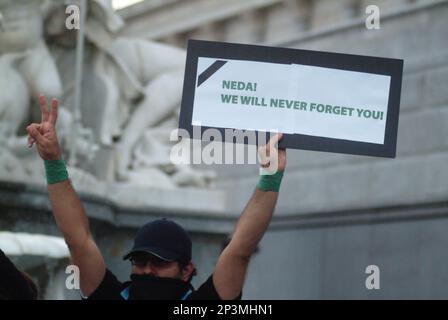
(338, 214)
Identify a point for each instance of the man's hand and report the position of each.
(44, 133)
(272, 158)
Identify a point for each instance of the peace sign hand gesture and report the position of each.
(44, 134)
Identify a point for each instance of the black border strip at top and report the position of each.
(366, 64)
(210, 71)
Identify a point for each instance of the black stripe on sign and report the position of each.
(210, 71)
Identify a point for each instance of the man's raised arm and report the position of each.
(230, 271)
(67, 207)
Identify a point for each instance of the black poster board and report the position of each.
(221, 53)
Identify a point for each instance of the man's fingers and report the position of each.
(263, 157)
(275, 139)
(35, 134)
(30, 141)
(266, 152)
(43, 108)
(54, 111)
(37, 126)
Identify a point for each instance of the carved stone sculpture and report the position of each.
(131, 95)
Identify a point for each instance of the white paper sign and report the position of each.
(293, 99)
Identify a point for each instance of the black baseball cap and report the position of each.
(163, 238)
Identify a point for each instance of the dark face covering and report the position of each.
(149, 287)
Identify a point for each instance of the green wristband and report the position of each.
(270, 182)
(55, 171)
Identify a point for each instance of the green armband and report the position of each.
(270, 182)
(55, 171)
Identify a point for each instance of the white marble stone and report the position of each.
(130, 87)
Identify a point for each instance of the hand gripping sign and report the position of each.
(321, 101)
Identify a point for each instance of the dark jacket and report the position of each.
(14, 285)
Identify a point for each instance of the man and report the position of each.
(161, 256)
(15, 284)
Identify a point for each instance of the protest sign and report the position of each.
(320, 101)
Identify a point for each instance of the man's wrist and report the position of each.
(270, 182)
(55, 171)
